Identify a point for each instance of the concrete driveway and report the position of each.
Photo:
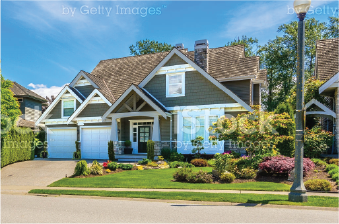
(22, 176)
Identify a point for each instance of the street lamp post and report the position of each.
(298, 190)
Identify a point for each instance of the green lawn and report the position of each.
(160, 179)
(194, 196)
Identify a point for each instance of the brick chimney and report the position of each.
(201, 54)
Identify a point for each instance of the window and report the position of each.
(20, 100)
(68, 107)
(187, 132)
(213, 119)
(199, 127)
(175, 84)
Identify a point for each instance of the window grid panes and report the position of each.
(187, 136)
(199, 127)
(175, 83)
(68, 107)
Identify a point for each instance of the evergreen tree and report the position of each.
(148, 47)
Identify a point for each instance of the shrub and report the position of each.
(246, 173)
(283, 165)
(334, 161)
(319, 162)
(144, 161)
(318, 185)
(16, 146)
(166, 153)
(331, 167)
(104, 164)
(81, 168)
(96, 169)
(177, 164)
(150, 150)
(335, 176)
(199, 162)
(111, 154)
(198, 143)
(176, 157)
(77, 153)
(211, 162)
(227, 177)
(221, 161)
(125, 166)
(333, 171)
(181, 174)
(199, 177)
(112, 166)
(152, 164)
(316, 142)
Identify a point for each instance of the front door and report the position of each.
(144, 135)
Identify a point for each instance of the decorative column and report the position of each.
(114, 136)
(156, 136)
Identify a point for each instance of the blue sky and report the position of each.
(44, 44)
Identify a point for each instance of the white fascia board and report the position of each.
(141, 94)
(329, 83)
(175, 69)
(236, 78)
(325, 109)
(201, 71)
(200, 107)
(54, 103)
(81, 73)
(85, 103)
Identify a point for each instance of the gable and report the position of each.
(129, 101)
(198, 91)
(94, 110)
(85, 90)
(175, 60)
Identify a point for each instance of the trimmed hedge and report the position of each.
(318, 185)
(16, 146)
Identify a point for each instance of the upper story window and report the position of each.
(68, 107)
(175, 84)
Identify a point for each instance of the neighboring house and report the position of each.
(327, 69)
(169, 97)
(30, 105)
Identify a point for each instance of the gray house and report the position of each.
(30, 105)
(169, 97)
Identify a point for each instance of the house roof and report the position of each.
(20, 91)
(152, 98)
(115, 76)
(327, 57)
(25, 123)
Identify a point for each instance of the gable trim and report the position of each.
(79, 75)
(326, 110)
(85, 103)
(331, 83)
(141, 94)
(54, 103)
(200, 70)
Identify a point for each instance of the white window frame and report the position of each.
(62, 107)
(183, 84)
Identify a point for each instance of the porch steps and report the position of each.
(130, 157)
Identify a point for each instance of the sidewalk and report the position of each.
(26, 189)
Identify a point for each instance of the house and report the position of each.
(31, 105)
(327, 69)
(169, 97)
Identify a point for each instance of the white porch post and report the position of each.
(156, 129)
(114, 130)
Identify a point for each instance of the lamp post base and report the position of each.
(297, 196)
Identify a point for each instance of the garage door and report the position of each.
(61, 143)
(94, 142)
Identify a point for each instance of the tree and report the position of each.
(10, 107)
(148, 47)
(248, 43)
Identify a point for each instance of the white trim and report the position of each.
(142, 95)
(79, 75)
(134, 114)
(236, 78)
(131, 125)
(54, 103)
(210, 106)
(174, 69)
(331, 83)
(62, 107)
(168, 95)
(200, 70)
(82, 127)
(82, 83)
(86, 102)
(326, 110)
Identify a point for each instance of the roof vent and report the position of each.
(179, 46)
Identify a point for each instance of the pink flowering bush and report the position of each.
(283, 165)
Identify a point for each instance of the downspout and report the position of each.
(171, 123)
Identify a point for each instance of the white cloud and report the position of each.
(259, 16)
(44, 91)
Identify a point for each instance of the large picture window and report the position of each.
(200, 127)
(187, 132)
(175, 84)
(68, 108)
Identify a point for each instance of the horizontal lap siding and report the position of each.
(85, 90)
(94, 110)
(240, 88)
(56, 112)
(256, 96)
(175, 60)
(198, 91)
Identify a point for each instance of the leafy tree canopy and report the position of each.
(250, 44)
(148, 47)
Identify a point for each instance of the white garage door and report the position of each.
(94, 142)
(61, 143)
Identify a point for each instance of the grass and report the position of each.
(160, 179)
(194, 196)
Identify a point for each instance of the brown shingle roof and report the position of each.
(327, 61)
(115, 76)
(25, 123)
(20, 91)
